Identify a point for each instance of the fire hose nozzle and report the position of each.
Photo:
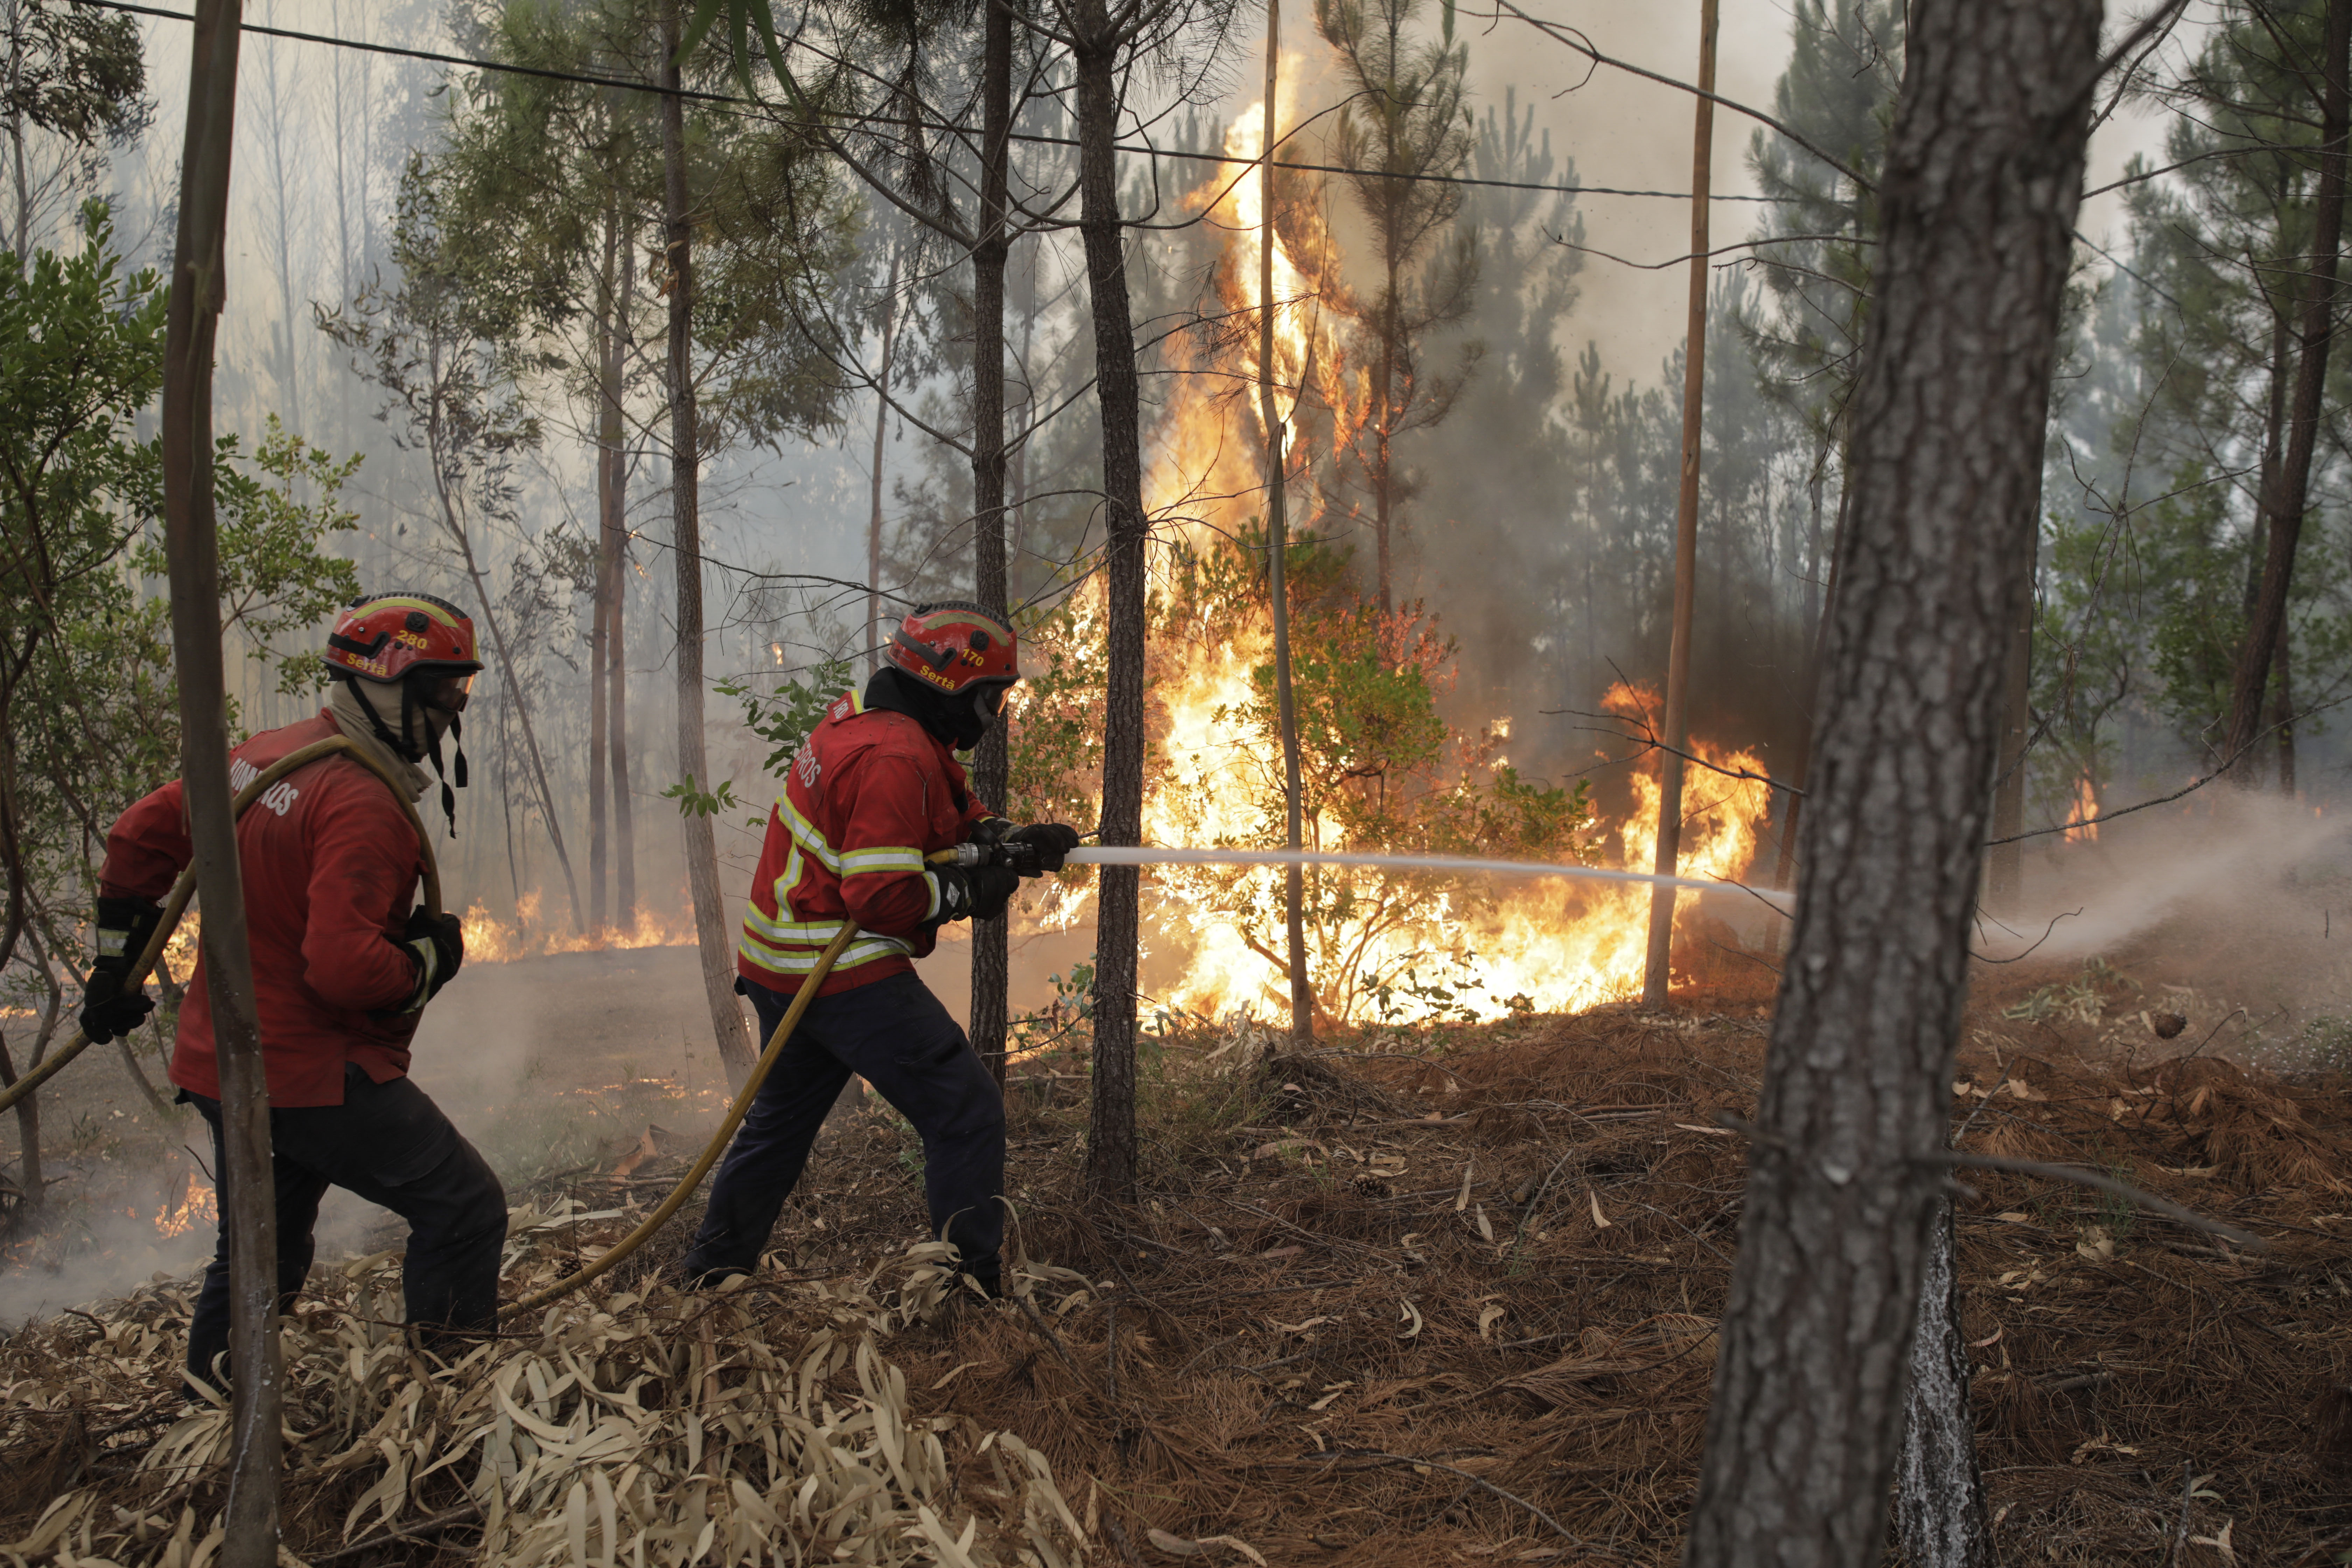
(1019, 858)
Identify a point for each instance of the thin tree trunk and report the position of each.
(510, 674)
(1983, 174)
(1655, 972)
(686, 458)
(2282, 374)
(599, 630)
(2283, 715)
(2287, 502)
(24, 190)
(1382, 387)
(874, 635)
(1784, 874)
(1017, 477)
(28, 1130)
(1939, 1511)
(2274, 450)
(248, 1195)
(616, 539)
(1277, 555)
(1110, 1131)
(2008, 867)
(991, 959)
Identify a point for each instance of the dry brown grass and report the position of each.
(1451, 1299)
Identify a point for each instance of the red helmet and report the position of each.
(955, 645)
(384, 636)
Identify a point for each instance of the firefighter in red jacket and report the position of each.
(874, 791)
(342, 965)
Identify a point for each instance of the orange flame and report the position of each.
(190, 1205)
(1512, 946)
(490, 940)
(2086, 807)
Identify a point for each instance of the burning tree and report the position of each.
(1409, 122)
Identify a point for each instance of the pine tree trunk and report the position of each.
(1667, 858)
(710, 908)
(1983, 174)
(249, 1194)
(1110, 1131)
(1785, 874)
(1939, 1511)
(616, 539)
(2283, 713)
(2286, 502)
(601, 624)
(875, 636)
(1277, 557)
(991, 952)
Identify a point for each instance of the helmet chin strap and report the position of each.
(400, 745)
(456, 736)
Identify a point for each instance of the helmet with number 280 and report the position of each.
(388, 636)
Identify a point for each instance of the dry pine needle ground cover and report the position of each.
(1414, 1300)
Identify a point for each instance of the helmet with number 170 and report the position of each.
(955, 646)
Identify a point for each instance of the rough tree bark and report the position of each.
(615, 540)
(1668, 856)
(1939, 1511)
(1983, 175)
(1800, 774)
(875, 636)
(991, 959)
(1277, 555)
(2286, 501)
(199, 286)
(1110, 1129)
(601, 623)
(727, 1026)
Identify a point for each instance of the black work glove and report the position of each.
(108, 1010)
(1051, 840)
(973, 893)
(436, 945)
(989, 830)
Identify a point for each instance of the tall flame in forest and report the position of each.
(1383, 946)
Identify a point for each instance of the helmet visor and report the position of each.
(448, 693)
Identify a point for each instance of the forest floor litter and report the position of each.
(1444, 1295)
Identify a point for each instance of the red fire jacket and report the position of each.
(330, 866)
(869, 793)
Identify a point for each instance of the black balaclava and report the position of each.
(958, 718)
(413, 707)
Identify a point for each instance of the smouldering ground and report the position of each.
(1423, 1298)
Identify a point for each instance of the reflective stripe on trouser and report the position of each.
(894, 1034)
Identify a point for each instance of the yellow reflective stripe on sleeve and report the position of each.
(894, 858)
(931, 881)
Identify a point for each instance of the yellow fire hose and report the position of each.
(177, 905)
(718, 1144)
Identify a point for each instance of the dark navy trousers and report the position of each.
(894, 1034)
(392, 1145)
